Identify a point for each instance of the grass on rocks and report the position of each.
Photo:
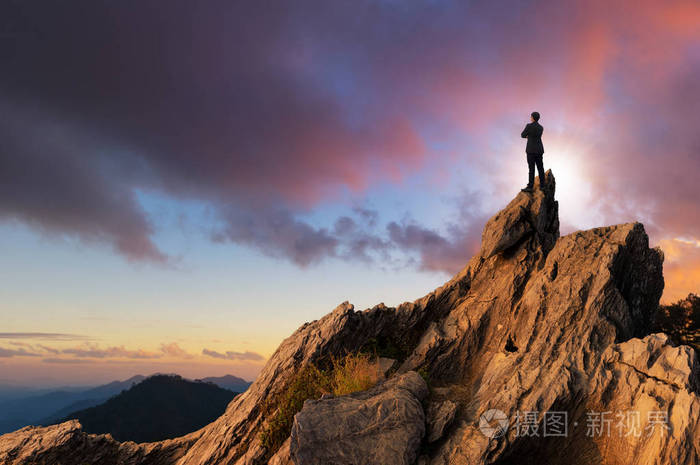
(344, 375)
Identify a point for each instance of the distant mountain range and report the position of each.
(42, 408)
(22, 406)
(159, 407)
(230, 382)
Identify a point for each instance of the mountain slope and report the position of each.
(533, 323)
(159, 407)
(229, 382)
(48, 407)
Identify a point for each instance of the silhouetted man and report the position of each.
(535, 150)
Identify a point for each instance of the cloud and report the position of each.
(21, 352)
(327, 99)
(279, 234)
(48, 349)
(86, 350)
(28, 349)
(231, 355)
(256, 135)
(44, 336)
(174, 350)
(55, 185)
(67, 361)
(93, 351)
(449, 251)
(681, 268)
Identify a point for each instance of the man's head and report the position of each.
(535, 116)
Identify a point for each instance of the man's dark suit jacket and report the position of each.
(533, 132)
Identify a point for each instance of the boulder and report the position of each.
(384, 425)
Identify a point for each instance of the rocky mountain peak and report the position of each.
(528, 216)
(534, 323)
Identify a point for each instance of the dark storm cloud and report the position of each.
(211, 101)
(261, 109)
(54, 178)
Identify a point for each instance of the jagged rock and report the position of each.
(439, 416)
(534, 322)
(385, 365)
(383, 425)
(653, 378)
(527, 214)
(283, 456)
(67, 444)
(654, 357)
(621, 420)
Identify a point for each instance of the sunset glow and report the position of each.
(183, 187)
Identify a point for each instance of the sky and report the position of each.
(183, 184)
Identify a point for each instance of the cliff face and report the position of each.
(533, 324)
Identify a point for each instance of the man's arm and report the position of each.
(524, 133)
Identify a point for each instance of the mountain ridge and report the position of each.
(533, 323)
(174, 405)
(47, 406)
(43, 408)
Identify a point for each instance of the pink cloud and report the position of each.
(174, 350)
(233, 355)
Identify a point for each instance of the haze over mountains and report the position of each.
(40, 408)
(22, 406)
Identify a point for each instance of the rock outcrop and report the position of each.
(439, 416)
(383, 425)
(67, 444)
(534, 324)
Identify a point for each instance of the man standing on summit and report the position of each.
(535, 150)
